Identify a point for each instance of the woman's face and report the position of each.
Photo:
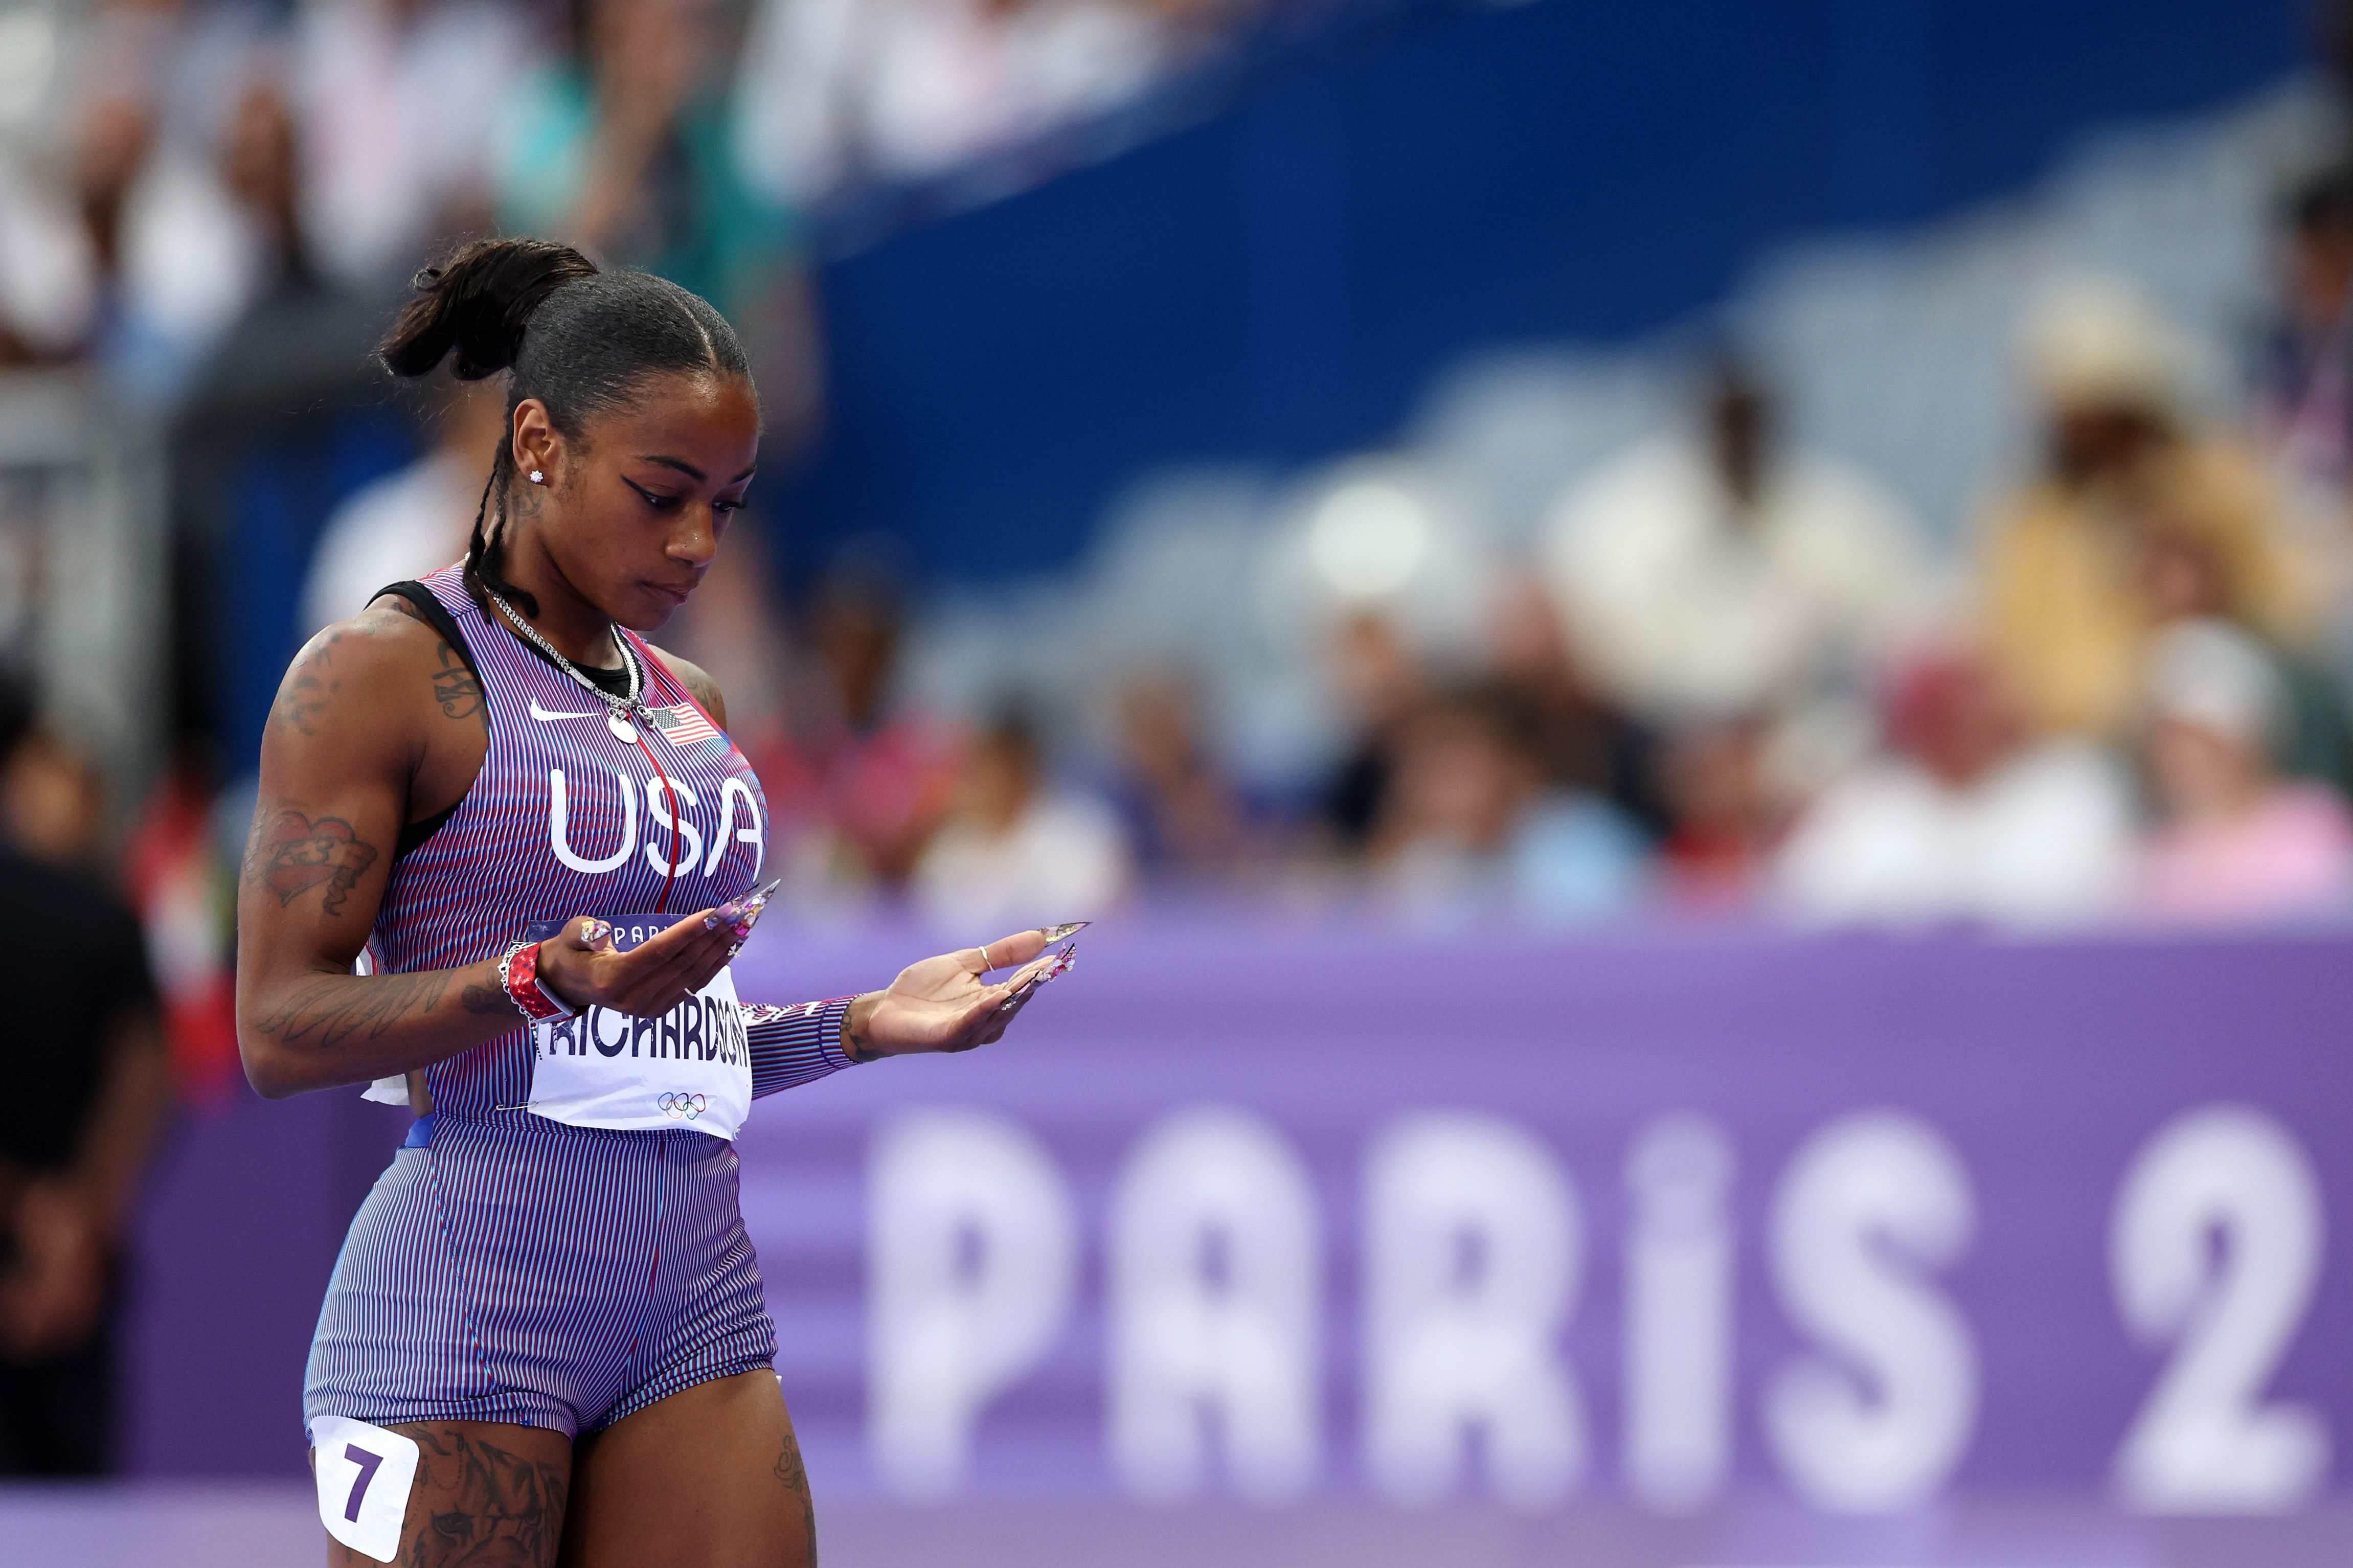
(632, 513)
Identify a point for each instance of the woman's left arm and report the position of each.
(793, 1046)
(943, 1003)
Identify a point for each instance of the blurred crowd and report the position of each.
(1721, 676)
(169, 166)
(1733, 679)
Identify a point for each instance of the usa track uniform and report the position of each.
(559, 1244)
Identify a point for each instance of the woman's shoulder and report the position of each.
(371, 669)
(697, 681)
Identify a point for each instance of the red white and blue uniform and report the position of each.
(513, 1265)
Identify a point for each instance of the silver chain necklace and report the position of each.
(619, 708)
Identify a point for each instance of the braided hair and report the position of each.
(579, 340)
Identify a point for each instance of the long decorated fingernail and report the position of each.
(595, 931)
(742, 930)
(1068, 928)
(734, 947)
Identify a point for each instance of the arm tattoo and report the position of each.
(853, 1044)
(293, 855)
(335, 1007)
(704, 690)
(455, 688)
(308, 687)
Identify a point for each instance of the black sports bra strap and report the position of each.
(436, 615)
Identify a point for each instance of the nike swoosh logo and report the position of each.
(542, 713)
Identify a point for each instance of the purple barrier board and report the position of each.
(1837, 1230)
(1332, 1246)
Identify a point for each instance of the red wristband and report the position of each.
(518, 974)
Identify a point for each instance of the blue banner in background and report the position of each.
(1284, 282)
(1680, 1231)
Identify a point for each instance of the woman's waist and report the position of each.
(515, 1128)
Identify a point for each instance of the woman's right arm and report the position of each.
(346, 737)
(377, 710)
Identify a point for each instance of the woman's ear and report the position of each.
(536, 446)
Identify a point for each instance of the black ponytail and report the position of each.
(578, 340)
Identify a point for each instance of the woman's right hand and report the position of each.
(583, 967)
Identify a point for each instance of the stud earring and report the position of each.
(537, 478)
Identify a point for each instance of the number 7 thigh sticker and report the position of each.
(365, 1473)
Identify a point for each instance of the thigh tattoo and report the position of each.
(477, 1505)
(794, 1478)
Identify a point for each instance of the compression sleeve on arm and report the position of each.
(793, 1046)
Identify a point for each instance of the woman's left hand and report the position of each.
(943, 1003)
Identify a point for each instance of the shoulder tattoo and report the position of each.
(454, 686)
(309, 687)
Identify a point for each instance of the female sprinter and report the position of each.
(546, 1340)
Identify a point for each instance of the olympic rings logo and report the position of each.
(684, 1107)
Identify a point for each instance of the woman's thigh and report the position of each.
(709, 1478)
(487, 1495)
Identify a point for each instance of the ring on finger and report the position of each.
(986, 963)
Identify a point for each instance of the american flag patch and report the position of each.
(683, 725)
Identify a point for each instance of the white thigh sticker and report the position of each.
(365, 1473)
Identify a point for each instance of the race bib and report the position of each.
(690, 1068)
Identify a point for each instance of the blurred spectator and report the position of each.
(625, 149)
(1583, 742)
(399, 100)
(48, 273)
(841, 92)
(178, 255)
(1723, 815)
(1720, 576)
(2305, 407)
(2235, 843)
(262, 169)
(1379, 681)
(1012, 849)
(2062, 581)
(1969, 819)
(858, 783)
(1184, 817)
(414, 522)
(298, 339)
(85, 1062)
(2305, 398)
(180, 865)
(2181, 580)
(51, 804)
(1470, 829)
